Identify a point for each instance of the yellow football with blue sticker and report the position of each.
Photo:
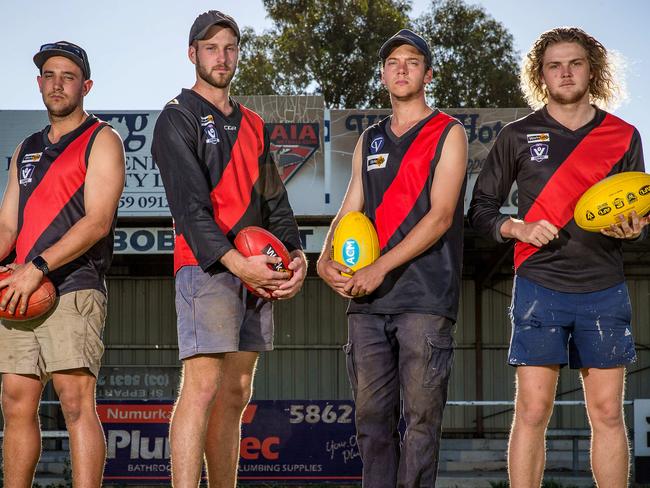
(616, 195)
(355, 243)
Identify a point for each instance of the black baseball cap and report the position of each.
(67, 50)
(207, 19)
(406, 36)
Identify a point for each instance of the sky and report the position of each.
(138, 48)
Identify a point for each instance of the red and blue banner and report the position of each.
(282, 442)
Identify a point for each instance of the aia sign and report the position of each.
(292, 144)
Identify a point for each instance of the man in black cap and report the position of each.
(58, 215)
(215, 161)
(408, 174)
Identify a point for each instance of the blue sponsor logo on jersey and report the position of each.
(351, 252)
(376, 144)
(538, 152)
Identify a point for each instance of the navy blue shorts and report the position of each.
(593, 328)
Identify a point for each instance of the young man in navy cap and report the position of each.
(408, 174)
(58, 214)
(219, 176)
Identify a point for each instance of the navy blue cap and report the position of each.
(406, 36)
(66, 49)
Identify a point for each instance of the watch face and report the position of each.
(41, 264)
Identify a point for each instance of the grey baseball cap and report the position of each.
(406, 36)
(66, 49)
(207, 19)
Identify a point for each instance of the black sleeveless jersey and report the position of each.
(51, 200)
(397, 174)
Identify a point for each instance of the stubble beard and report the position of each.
(567, 99)
(61, 111)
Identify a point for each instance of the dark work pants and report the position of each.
(387, 355)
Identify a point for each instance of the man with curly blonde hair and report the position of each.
(570, 303)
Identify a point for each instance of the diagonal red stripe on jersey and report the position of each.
(591, 161)
(409, 181)
(232, 195)
(61, 181)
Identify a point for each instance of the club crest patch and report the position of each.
(26, 173)
(538, 152)
(211, 137)
(376, 144)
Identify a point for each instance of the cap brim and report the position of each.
(394, 42)
(42, 56)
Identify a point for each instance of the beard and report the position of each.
(567, 99)
(61, 109)
(218, 81)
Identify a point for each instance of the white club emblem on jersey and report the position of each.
(376, 161)
(211, 137)
(538, 152)
(26, 172)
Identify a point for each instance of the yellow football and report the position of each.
(355, 243)
(618, 194)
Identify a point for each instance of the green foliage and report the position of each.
(256, 71)
(474, 61)
(330, 47)
(326, 47)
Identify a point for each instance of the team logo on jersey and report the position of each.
(31, 158)
(173, 101)
(26, 173)
(211, 137)
(229, 127)
(533, 138)
(376, 144)
(292, 144)
(376, 161)
(538, 152)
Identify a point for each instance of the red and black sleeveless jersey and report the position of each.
(553, 166)
(397, 174)
(51, 200)
(219, 177)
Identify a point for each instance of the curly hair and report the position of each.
(604, 89)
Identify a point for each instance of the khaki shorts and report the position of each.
(68, 337)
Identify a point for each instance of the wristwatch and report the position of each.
(41, 264)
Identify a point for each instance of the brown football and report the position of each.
(40, 302)
(251, 241)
